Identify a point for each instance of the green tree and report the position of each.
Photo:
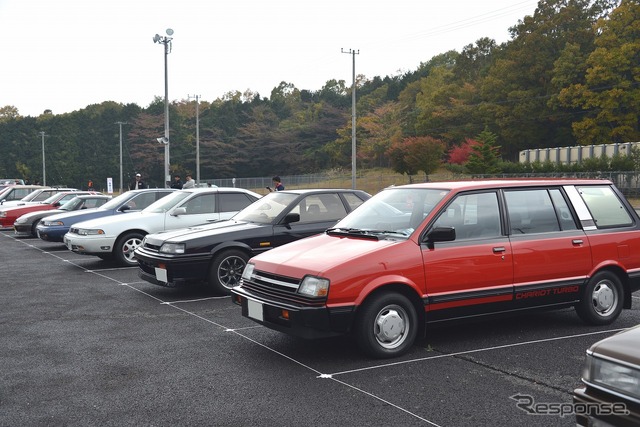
(484, 157)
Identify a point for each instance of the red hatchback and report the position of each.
(425, 253)
(10, 214)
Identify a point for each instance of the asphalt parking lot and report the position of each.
(84, 343)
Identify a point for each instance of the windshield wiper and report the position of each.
(400, 233)
(351, 232)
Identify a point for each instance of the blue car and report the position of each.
(54, 227)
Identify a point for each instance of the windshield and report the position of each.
(266, 209)
(116, 201)
(394, 210)
(72, 204)
(32, 196)
(52, 199)
(167, 202)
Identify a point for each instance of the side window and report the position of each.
(605, 206)
(531, 211)
(201, 204)
(567, 222)
(233, 202)
(352, 200)
(473, 216)
(141, 201)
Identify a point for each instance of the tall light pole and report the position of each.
(197, 98)
(353, 53)
(121, 184)
(44, 170)
(166, 41)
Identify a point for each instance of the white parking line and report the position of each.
(194, 300)
(478, 350)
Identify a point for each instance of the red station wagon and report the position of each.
(424, 253)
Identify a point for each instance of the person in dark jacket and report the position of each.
(177, 183)
(137, 183)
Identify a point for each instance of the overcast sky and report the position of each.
(63, 55)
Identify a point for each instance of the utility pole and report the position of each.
(121, 183)
(353, 53)
(44, 170)
(197, 98)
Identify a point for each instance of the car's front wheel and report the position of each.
(124, 247)
(226, 270)
(602, 300)
(387, 325)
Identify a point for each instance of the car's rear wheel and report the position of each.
(602, 300)
(226, 270)
(124, 247)
(387, 325)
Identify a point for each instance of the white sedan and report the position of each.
(118, 236)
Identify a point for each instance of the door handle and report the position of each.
(577, 241)
(498, 249)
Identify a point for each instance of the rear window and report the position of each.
(605, 206)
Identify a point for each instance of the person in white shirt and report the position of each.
(189, 183)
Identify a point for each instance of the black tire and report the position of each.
(602, 300)
(226, 270)
(34, 229)
(124, 247)
(386, 325)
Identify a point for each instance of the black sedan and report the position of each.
(217, 253)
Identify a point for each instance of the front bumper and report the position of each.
(51, 234)
(89, 245)
(597, 399)
(296, 320)
(22, 230)
(172, 271)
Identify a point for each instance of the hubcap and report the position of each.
(230, 272)
(128, 248)
(391, 326)
(604, 298)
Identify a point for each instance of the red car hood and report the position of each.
(319, 254)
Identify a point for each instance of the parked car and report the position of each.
(611, 392)
(16, 192)
(53, 228)
(118, 237)
(25, 225)
(9, 215)
(422, 253)
(36, 196)
(217, 253)
(5, 182)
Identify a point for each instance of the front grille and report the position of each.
(279, 288)
(152, 248)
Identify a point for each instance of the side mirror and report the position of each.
(440, 234)
(179, 211)
(291, 217)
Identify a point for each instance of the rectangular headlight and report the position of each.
(52, 223)
(248, 271)
(89, 232)
(614, 376)
(314, 286)
(172, 248)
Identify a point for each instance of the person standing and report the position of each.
(189, 183)
(177, 183)
(277, 184)
(137, 183)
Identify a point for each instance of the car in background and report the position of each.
(25, 225)
(9, 215)
(53, 228)
(611, 392)
(217, 253)
(6, 182)
(36, 196)
(118, 237)
(17, 192)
